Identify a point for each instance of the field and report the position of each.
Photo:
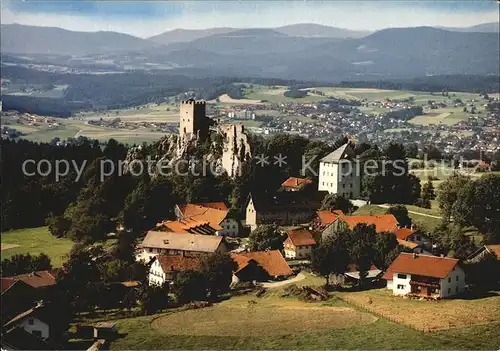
(430, 316)
(274, 322)
(35, 241)
(268, 94)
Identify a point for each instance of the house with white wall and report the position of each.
(35, 321)
(299, 244)
(425, 276)
(185, 244)
(164, 267)
(339, 174)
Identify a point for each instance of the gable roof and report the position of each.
(383, 223)
(212, 212)
(403, 233)
(343, 152)
(182, 241)
(40, 311)
(192, 225)
(271, 261)
(179, 263)
(296, 183)
(424, 265)
(300, 237)
(37, 279)
(328, 217)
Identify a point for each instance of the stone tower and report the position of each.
(193, 120)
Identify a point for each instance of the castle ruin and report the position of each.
(193, 120)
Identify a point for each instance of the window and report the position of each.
(401, 276)
(456, 278)
(449, 290)
(456, 289)
(449, 279)
(418, 237)
(37, 333)
(31, 321)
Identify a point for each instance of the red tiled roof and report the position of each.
(193, 225)
(36, 279)
(495, 249)
(403, 233)
(179, 263)
(300, 237)
(271, 261)
(221, 206)
(296, 183)
(328, 217)
(212, 212)
(424, 265)
(383, 223)
(408, 244)
(7, 283)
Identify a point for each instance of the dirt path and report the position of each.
(78, 133)
(414, 212)
(295, 279)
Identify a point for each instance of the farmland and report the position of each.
(273, 322)
(35, 241)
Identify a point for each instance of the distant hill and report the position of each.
(186, 35)
(311, 30)
(493, 27)
(21, 39)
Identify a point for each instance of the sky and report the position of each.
(147, 18)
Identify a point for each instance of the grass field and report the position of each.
(427, 315)
(261, 93)
(274, 322)
(36, 241)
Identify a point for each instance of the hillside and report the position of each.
(23, 39)
(186, 35)
(311, 30)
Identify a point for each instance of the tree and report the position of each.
(218, 270)
(331, 256)
(189, 286)
(154, 298)
(448, 193)
(428, 194)
(266, 237)
(411, 150)
(25, 263)
(401, 214)
(361, 248)
(386, 250)
(454, 242)
(336, 202)
(58, 225)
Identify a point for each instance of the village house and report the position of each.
(164, 267)
(260, 266)
(413, 239)
(299, 244)
(330, 222)
(188, 225)
(338, 173)
(484, 251)
(184, 244)
(215, 213)
(295, 184)
(36, 321)
(425, 276)
(282, 208)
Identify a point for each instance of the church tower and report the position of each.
(193, 118)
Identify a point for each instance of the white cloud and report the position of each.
(375, 15)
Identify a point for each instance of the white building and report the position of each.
(425, 276)
(338, 174)
(164, 267)
(33, 321)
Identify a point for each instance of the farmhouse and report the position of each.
(215, 213)
(338, 222)
(295, 184)
(425, 276)
(408, 235)
(35, 321)
(260, 266)
(299, 244)
(184, 244)
(164, 267)
(282, 208)
(338, 173)
(188, 225)
(483, 252)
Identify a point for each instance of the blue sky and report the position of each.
(148, 18)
